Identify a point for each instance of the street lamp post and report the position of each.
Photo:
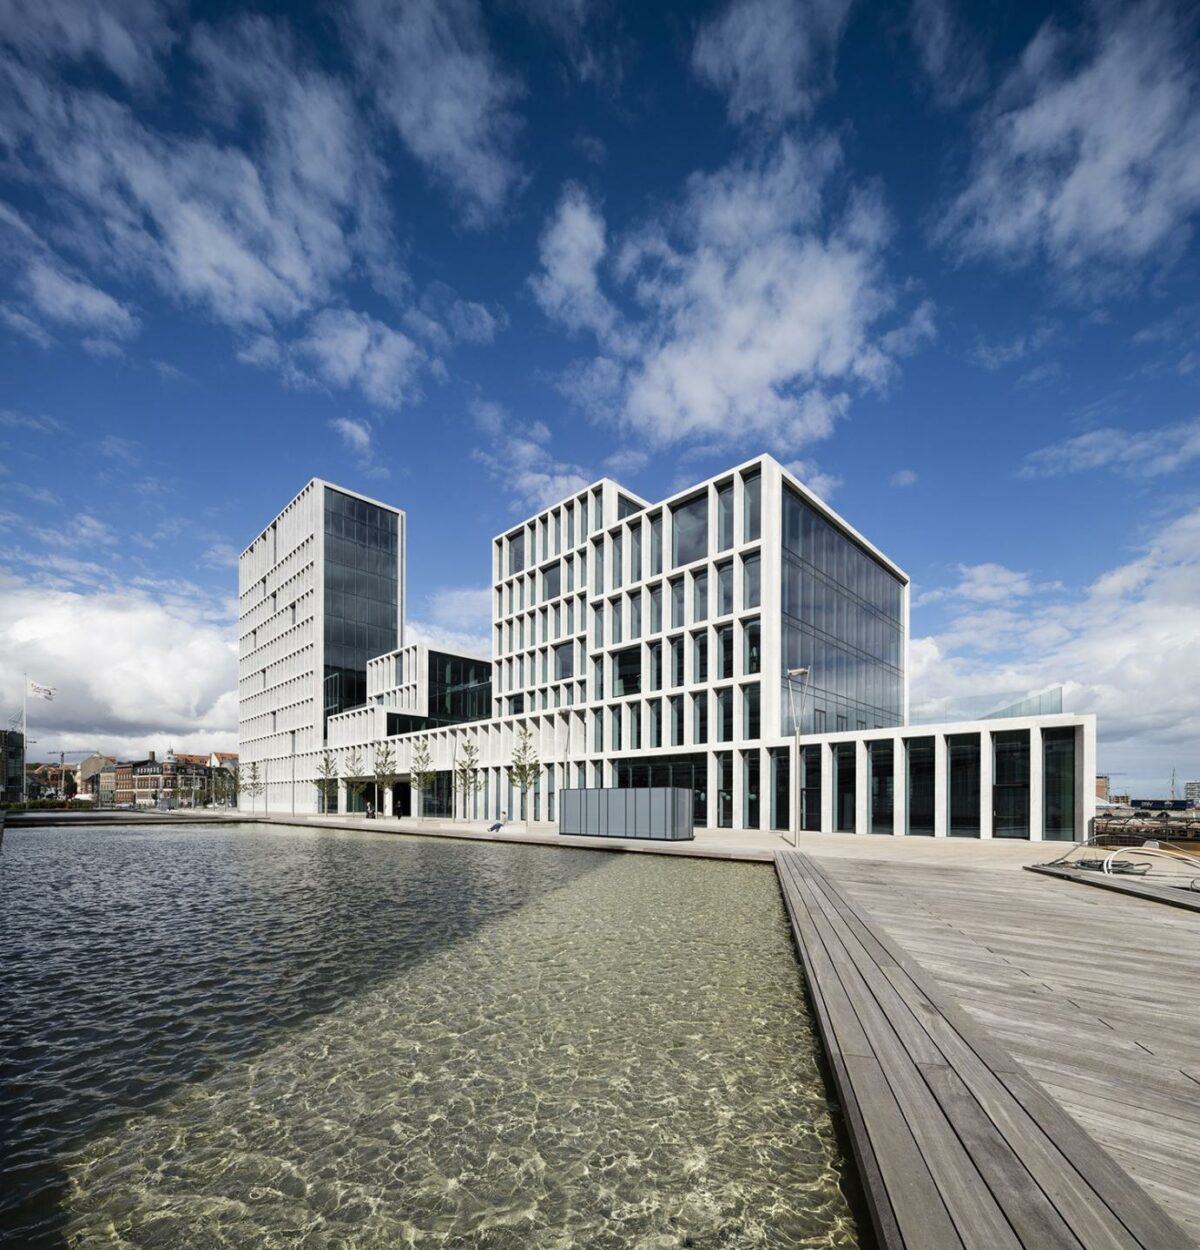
(792, 674)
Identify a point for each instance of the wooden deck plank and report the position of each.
(1005, 1164)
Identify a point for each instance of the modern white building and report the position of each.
(651, 644)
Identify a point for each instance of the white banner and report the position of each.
(41, 692)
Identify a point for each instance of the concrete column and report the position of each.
(341, 797)
(1037, 761)
(739, 789)
(714, 778)
(826, 787)
(387, 802)
(1085, 778)
(986, 760)
(862, 793)
(899, 788)
(940, 814)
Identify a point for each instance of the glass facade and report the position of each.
(810, 789)
(361, 595)
(881, 761)
(962, 785)
(688, 771)
(843, 621)
(689, 531)
(919, 758)
(1058, 784)
(1010, 784)
(845, 776)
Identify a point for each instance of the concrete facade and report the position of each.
(629, 636)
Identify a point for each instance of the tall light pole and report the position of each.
(792, 675)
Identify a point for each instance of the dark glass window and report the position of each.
(881, 757)
(688, 771)
(700, 717)
(751, 634)
(724, 789)
(460, 689)
(677, 603)
(689, 527)
(725, 714)
(627, 672)
(656, 545)
(656, 734)
(752, 582)
(724, 651)
(656, 621)
(919, 753)
(564, 660)
(1010, 784)
(516, 552)
(635, 552)
(626, 507)
(700, 656)
(750, 769)
(725, 516)
(750, 711)
(781, 758)
(552, 581)
(810, 792)
(618, 560)
(676, 702)
(752, 508)
(962, 785)
(1058, 784)
(844, 780)
(700, 596)
(725, 588)
(677, 662)
(656, 669)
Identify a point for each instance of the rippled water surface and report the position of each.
(254, 1037)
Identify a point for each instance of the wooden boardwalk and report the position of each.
(957, 1145)
(1136, 887)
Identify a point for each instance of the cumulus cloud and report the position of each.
(359, 438)
(434, 76)
(346, 348)
(772, 59)
(457, 618)
(1124, 647)
(135, 666)
(757, 305)
(820, 483)
(1089, 152)
(1134, 453)
(77, 303)
(519, 457)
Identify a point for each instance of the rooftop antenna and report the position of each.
(1172, 785)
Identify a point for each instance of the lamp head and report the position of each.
(797, 672)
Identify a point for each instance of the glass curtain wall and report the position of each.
(1010, 784)
(1058, 784)
(844, 781)
(881, 758)
(842, 620)
(781, 760)
(962, 785)
(689, 531)
(920, 766)
(688, 771)
(724, 789)
(810, 789)
(750, 770)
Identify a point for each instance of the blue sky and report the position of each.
(938, 258)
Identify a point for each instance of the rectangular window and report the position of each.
(810, 789)
(919, 758)
(724, 789)
(962, 785)
(615, 608)
(552, 581)
(635, 552)
(1058, 784)
(781, 814)
(598, 625)
(614, 740)
(700, 717)
(598, 565)
(700, 596)
(597, 730)
(635, 614)
(676, 702)
(700, 656)
(689, 530)
(749, 789)
(751, 648)
(724, 651)
(656, 734)
(751, 581)
(564, 661)
(598, 678)
(751, 508)
(725, 516)
(725, 714)
(656, 673)
(750, 711)
(516, 552)
(627, 672)
(1010, 784)
(656, 564)
(881, 763)
(635, 726)
(725, 588)
(656, 622)
(677, 603)
(583, 517)
(677, 662)
(571, 525)
(844, 781)
(618, 560)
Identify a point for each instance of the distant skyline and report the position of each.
(938, 258)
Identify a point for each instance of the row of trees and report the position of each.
(466, 776)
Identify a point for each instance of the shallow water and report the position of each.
(260, 1037)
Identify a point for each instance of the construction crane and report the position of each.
(62, 758)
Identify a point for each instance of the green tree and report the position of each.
(253, 784)
(357, 777)
(525, 768)
(327, 778)
(385, 772)
(421, 773)
(466, 775)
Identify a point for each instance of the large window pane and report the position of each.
(656, 545)
(810, 789)
(725, 714)
(1010, 784)
(752, 508)
(700, 656)
(564, 660)
(627, 672)
(725, 516)
(725, 651)
(700, 596)
(689, 528)
(844, 780)
(962, 785)
(881, 759)
(752, 582)
(750, 769)
(919, 753)
(751, 652)
(750, 711)
(1058, 784)
(724, 789)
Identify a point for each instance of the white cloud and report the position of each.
(77, 303)
(113, 447)
(434, 76)
(1090, 151)
(947, 50)
(519, 458)
(1140, 453)
(1124, 648)
(754, 322)
(132, 666)
(347, 348)
(773, 59)
(24, 325)
(903, 477)
(128, 37)
(822, 484)
(359, 439)
(456, 618)
(987, 583)
(82, 531)
(24, 421)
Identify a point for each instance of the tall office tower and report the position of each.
(320, 592)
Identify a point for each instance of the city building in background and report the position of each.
(1191, 792)
(12, 760)
(678, 643)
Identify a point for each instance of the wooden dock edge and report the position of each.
(1131, 887)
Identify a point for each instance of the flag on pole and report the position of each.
(41, 692)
